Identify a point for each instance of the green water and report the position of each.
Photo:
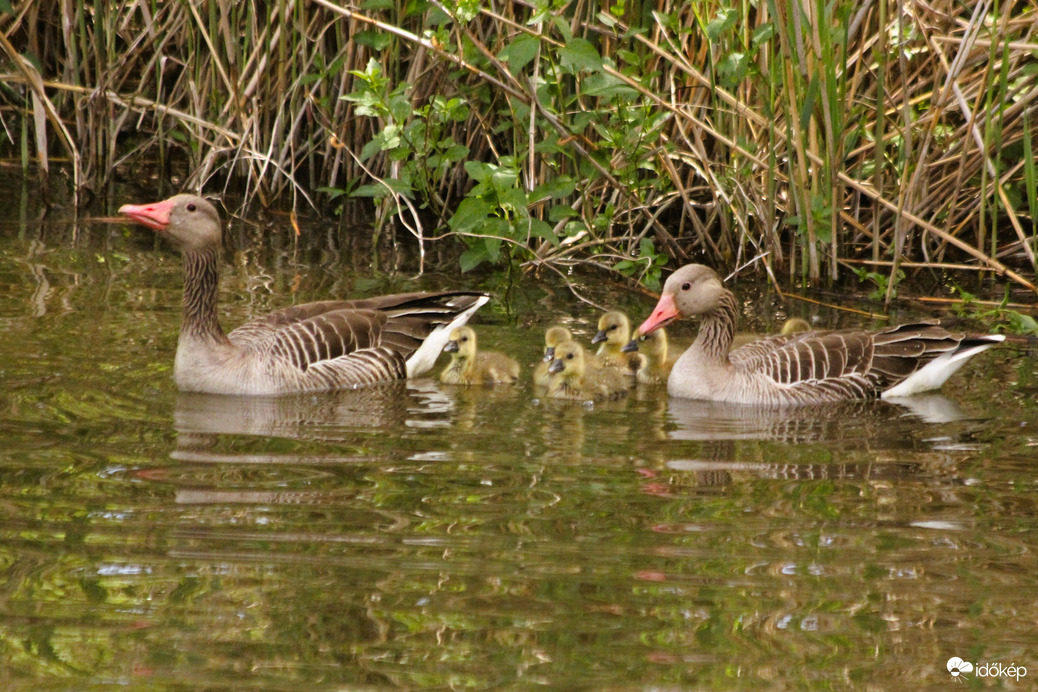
(418, 536)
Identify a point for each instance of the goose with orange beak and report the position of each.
(813, 367)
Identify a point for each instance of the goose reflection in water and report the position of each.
(707, 420)
(896, 428)
(347, 419)
(316, 416)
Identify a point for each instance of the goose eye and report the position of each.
(192, 207)
(612, 328)
(686, 286)
(569, 356)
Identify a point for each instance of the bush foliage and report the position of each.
(815, 137)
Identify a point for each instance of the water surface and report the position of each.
(420, 536)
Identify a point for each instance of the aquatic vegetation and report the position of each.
(549, 135)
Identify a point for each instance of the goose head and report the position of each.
(568, 361)
(462, 343)
(614, 329)
(692, 290)
(189, 221)
(552, 338)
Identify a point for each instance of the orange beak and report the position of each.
(151, 215)
(663, 314)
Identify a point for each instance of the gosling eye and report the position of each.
(686, 286)
(612, 328)
(192, 207)
(569, 356)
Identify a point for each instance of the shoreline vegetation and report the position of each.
(817, 141)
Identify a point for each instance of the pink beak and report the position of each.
(663, 314)
(151, 215)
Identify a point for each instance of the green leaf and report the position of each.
(456, 152)
(375, 190)
(400, 106)
(479, 171)
(473, 257)
(375, 40)
(332, 192)
(605, 85)
(513, 199)
(559, 212)
(555, 188)
(504, 179)
(377, 5)
(1022, 324)
(762, 34)
(493, 248)
(520, 52)
(732, 68)
(541, 229)
(721, 23)
(399, 186)
(578, 54)
(370, 149)
(471, 213)
(809, 103)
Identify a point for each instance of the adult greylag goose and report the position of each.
(806, 368)
(552, 338)
(573, 378)
(469, 366)
(325, 345)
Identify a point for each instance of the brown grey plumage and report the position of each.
(316, 346)
(806, 368)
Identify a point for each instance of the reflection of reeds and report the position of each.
(879, 134)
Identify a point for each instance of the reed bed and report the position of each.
(811, 139)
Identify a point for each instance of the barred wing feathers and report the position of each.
(360, 341)
(832, 366)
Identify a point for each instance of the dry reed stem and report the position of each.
(916, 105)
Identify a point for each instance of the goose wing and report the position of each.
(759, 347)
(359, 340)
(829, 366)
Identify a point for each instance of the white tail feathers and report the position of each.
(422, 360)
(935, 373)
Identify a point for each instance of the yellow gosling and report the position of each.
(470, 367)
(572, 378)
(552, 338)
(655, 363)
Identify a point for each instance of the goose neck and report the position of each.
(201, 287)
(717, 328)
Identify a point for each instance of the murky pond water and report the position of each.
(420, 536)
